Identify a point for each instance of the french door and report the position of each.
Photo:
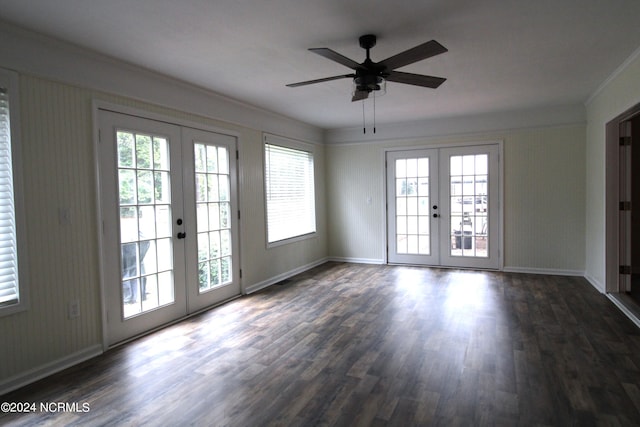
(169, 235)
(443, 206)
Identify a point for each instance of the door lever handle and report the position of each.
(181, 235)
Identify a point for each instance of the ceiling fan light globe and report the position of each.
(381, 87)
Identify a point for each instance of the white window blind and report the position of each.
(289, 192)
(9, 290)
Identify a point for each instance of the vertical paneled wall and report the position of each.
(59, 188)
(544, 187)
(355, 187)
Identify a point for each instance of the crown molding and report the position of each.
(36, 54)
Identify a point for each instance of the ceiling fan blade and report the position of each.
(335, 56)
(359, 95)
(418, 53)
(415, 79)
(326, 79)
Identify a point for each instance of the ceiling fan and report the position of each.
(369, 76)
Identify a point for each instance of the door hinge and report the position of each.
(237, 154)
(625, 141)
(241, 273)
(625, 269)
(238, 214)
(625, 206)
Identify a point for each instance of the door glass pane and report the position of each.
(145, 222)
(412, 206)
(213, 210)
(469, 219)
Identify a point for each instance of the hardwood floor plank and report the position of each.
(370, 345)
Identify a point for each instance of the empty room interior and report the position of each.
(331, 212)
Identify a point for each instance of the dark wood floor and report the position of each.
(348, 344)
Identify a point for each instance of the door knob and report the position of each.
(435, 215)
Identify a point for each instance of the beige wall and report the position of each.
(59, 174)
(543, 202)
(620, 93)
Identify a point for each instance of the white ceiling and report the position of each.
(503, 55)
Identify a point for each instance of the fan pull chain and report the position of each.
(364, 126)
(364, 123)
(374, 112)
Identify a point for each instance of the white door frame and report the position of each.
(98, 105)
(500, 216)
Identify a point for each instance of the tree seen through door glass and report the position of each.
(213, 210)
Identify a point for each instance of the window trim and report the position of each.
(270, 139)
(9, 80)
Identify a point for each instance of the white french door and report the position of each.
(443, 206)
(169, 237)
(213, 268)
(412, 207)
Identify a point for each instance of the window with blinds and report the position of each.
(289, 190)
(10, 295)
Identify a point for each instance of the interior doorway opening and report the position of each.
(632, 241)
(623, 212)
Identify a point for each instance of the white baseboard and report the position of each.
(357, 260)
(547, 271)
(32, 375)
(283, 276)
(596, 284)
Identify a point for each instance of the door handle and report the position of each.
(435, 215)
(181, 235)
